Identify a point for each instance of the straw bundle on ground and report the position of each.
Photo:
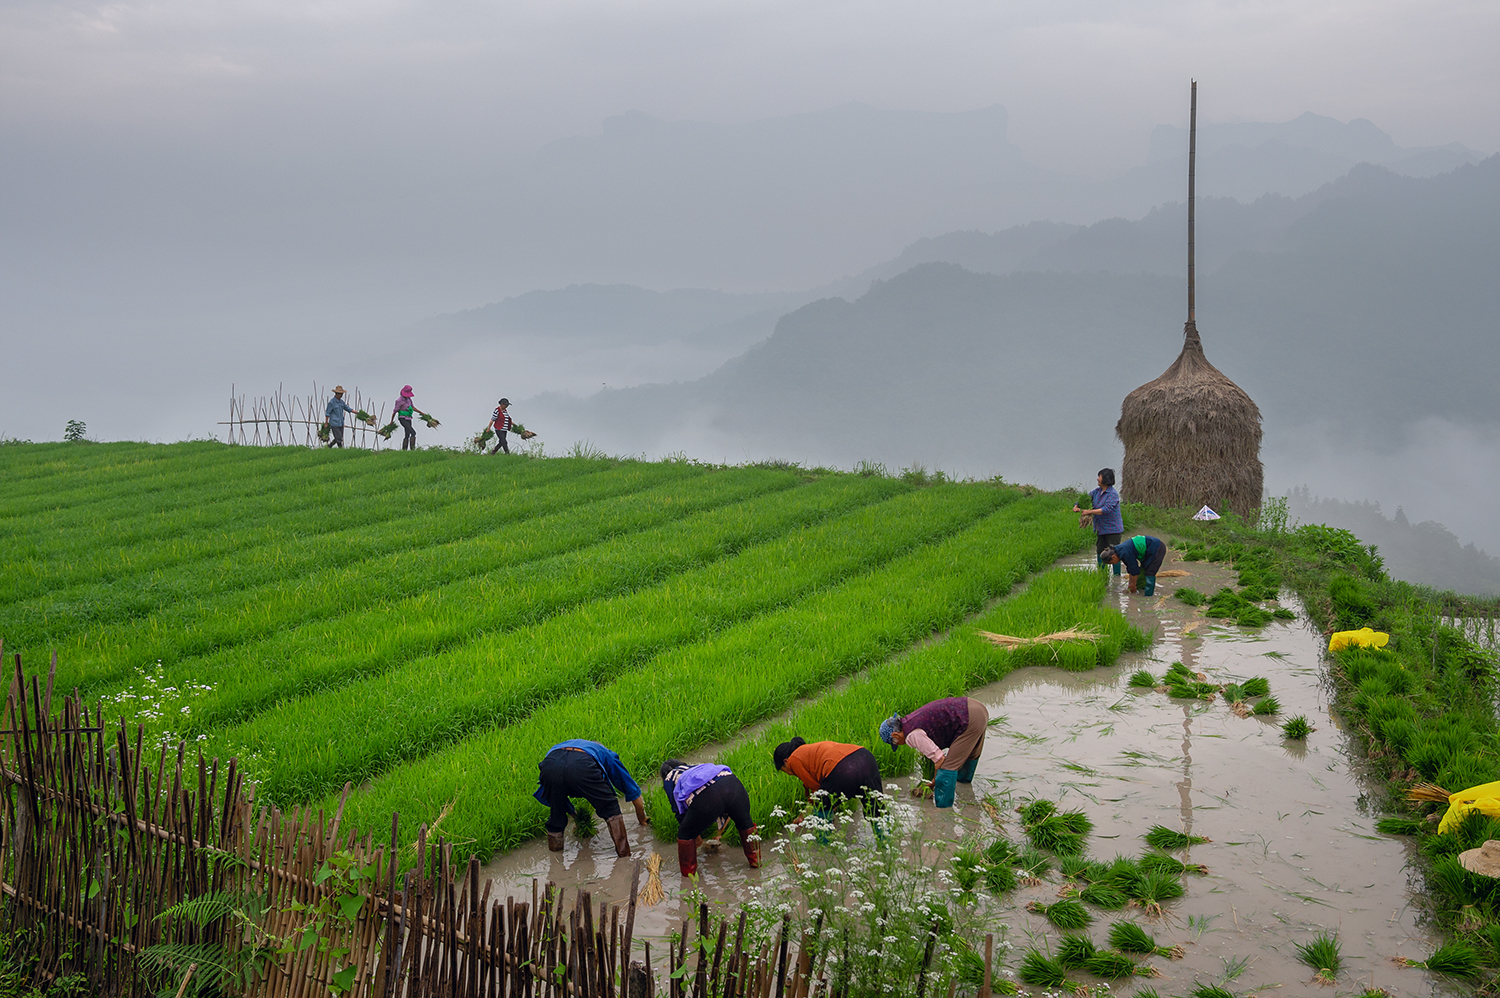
(1192, 437)
(1072, 634)
(652, 893)
(1173, 573)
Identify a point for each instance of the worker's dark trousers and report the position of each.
(500, 444)
(338, 436)
(1103, 541)
(408, 442)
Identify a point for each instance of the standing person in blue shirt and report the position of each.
(1109, 525)
(703, 796)
(334, 414)
(1142, 558)
(580, 768)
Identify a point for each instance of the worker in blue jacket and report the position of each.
(1142, 557)
(581, 768)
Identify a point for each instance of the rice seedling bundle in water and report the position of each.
(1065, 914)
(1131, 938)
(1111, 966)
(1141, 679)
(1161, 861)
(968, 866)
(1076, 867)
(1000, 878)
(1191, 596)
(1259, 686)
(1297, 728)
(1163, 838)
(1073, 951)
(1322, 955)
(1040, 970)
(1034, 811)
(1266, 707)
(1457, 959)
(1104, 895)
(1398, 826)
(1252, 616)
(1211, 991)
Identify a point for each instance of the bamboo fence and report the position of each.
(107, 841)
(283, 419)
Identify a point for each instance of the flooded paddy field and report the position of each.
(1293, 851)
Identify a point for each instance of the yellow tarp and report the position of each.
(1362, 638)
(1484, 799)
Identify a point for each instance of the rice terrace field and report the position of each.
(423, 625)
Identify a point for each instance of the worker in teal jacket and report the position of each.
(1142, 557)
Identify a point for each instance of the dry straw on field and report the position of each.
(1075, 633)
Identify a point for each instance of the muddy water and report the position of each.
(1293, 848)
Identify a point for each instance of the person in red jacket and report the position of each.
(502, 423)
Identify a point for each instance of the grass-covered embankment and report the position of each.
(1425, 705)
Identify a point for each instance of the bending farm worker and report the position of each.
(1109, 526)
(502, 423)
(703, 796)
(949, 732)
(334, 414)
(841, 772)
(1142, 558)
(580, 768)
(403, 408)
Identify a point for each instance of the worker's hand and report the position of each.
(640, 813)
(1076, 509)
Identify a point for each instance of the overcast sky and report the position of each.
(1083, 81)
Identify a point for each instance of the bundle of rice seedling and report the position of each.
(1077, 867)
(1252, 616)
(480, 439)
(1065, 914)
(1104, 895)
(1211, 991)
(365, 417)
(1073, 951)
(1111, 966)
(1226, 603)
(585, 822)
(1033, 862)
(1297, 728)
(1398, 826)
(1191, 596)
(1256, 687)
(1282, 613)
(1040, 970)
(1267, 707)
(1171, 864)
(1322, 955)
(1131, 938)
(968, 867)
(1233, 693)
(1076, 633)
(1121, 870)
(652, 893)
(1143, 680)
(1163, 838)
(521, 431)
(1179, 673)
(1062, 833)
(430, 420)
(1033, 811)
(1192, 691)
(968, 966)
(1457, 959)
(1000, 878)
(386, 430)
(1154, 887)
(324, 433)
(1002, 851)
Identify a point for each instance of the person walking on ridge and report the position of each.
(333, 414)
(1142, 557)
(703, 796)
(581, 768)
(950, 732)
(403, 409)
(502, 423)
(1109, 525)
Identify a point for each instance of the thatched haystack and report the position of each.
(1192, 437)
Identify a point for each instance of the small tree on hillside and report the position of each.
(75, 429)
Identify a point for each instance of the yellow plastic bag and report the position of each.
(1484, 799)
(1362, 638)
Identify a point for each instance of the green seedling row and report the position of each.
(707, 691)
(961, 661)
(342, 574)
(312, 746)
(256, 676)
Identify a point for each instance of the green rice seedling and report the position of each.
(1036, 810)
(968, 867)
(1153, 888)
(1040, 970)
(1141, 679)
(1398, 826)
(1193, 691)
(1171, 864)
(1163, 838)
(1252, 616)
(1297, 729)
(968, 966)
(1121, 870)
(585, 822)
(1075, 821)
(1210, 991)
(1104, 895)
(1191, 596)
(1033, 862)
(1065, 914)
(1177, 668)
(1282, 613)
(1225, 603)
(1127, 937)
(1456, 959)
(1256, 687)
(1323, 956)
(1073, 951)
(1267, 707)
(1075, 867)
(1002, 852)
(1000, 878)
(1111, 966)
(1233, 693)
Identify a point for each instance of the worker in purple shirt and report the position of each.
(703, 796)
(581, 768)
(1109, 525)
(1142, 558)
(950, 732)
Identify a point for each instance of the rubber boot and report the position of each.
(752, 849)
(687, 856)
(966, 771)
(943, 786)
(617, 832)
(1148, 585)
(555, 841)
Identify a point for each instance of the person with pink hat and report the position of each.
(404, 408)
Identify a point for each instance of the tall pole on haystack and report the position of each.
(1192, 436)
